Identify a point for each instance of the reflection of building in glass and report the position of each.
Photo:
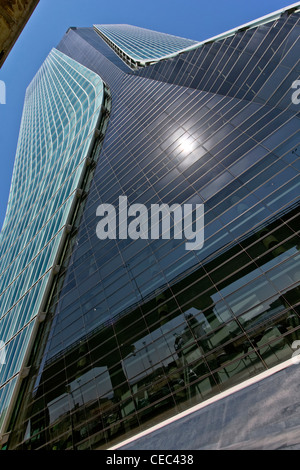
(137, 331)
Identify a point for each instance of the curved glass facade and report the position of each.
(139, 330)
(61, 112)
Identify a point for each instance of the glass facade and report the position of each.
(139, 330)
(140, 45)
(61, 112)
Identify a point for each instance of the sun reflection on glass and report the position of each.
(186, 144)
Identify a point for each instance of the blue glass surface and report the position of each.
(142, 44)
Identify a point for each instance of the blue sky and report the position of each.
(193, 19)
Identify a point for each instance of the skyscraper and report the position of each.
(106, 337)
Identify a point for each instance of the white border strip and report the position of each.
(214, 399)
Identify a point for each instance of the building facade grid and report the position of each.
(141, 330)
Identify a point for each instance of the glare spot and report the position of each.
(186, 144)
